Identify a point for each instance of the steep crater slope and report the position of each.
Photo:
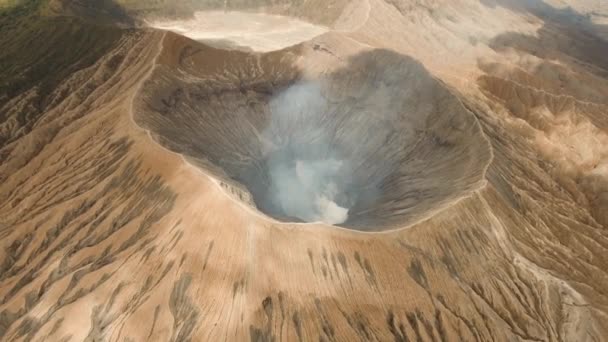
(374, 144)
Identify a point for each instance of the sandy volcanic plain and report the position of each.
(254, 31)
(366, 170)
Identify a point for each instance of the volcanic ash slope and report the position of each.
(140, 197)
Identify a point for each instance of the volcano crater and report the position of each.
(372, 145)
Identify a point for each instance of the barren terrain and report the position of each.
(383, 170)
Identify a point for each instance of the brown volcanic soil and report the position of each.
(125, 211)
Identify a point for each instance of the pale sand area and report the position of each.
(260, 32)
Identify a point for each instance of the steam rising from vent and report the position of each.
(307, 180)
(306, 189)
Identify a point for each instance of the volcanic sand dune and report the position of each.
(471, 133)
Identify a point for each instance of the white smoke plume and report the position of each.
(305, 172)
(306, 189)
